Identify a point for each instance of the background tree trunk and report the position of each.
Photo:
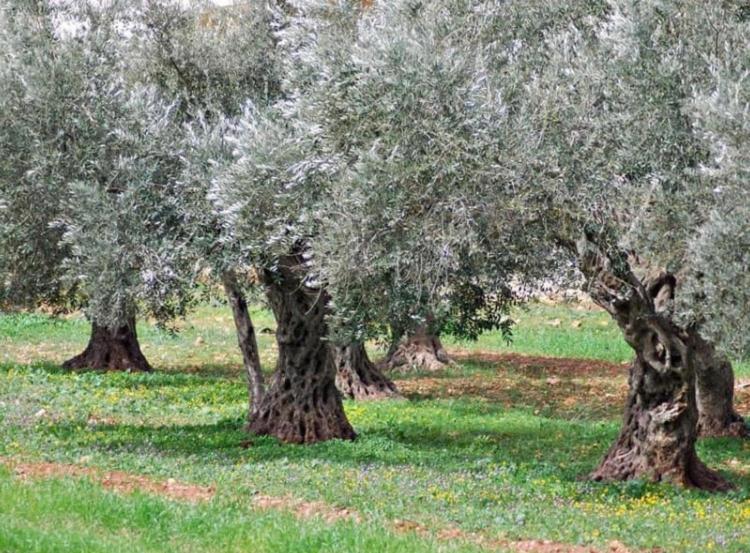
(657, 439)
(111, 350)
(715, 393)
(302, 404)
(357, 377)
(418, 351)
(247, 342)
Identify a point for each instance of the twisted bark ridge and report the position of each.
(111, 350)
(357, 377)
(713, 372)
(302, 404)
(246, 341)
(418, 351)
(657, 439)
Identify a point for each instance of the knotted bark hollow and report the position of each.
(714, 376)
(657, 439)
(302, 404)
(715, 393)
(111, 350)
(418, 351)
(357, 377)
(246, 341)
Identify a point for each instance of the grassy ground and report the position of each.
(496, 448)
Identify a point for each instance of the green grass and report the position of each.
(565, 330)
(50, 517)
(509, 469)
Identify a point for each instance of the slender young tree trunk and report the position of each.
(302, 404)
(715, 393)
(246, 341)
(357, 377)
(111, 350)
(657, 439)
(418, 351)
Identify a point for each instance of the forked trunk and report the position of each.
(302, 404)
(357, 377)
(111, 350)
(418, 351)
(247, 342)
(657, 439)
(715, 393)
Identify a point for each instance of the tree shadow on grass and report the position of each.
(564, 450)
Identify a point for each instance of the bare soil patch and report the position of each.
(120, 482)
(742, 397)
(524, 546)
(568, 388)
(540, 366)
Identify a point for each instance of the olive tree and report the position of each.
(209, 62)
(615, 162)
(89, 177)
(402, 247)
(268, 197)
(578, 144)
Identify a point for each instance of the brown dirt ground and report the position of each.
(536, 365)
(568, 388)
(119, 482)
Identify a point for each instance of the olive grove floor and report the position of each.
(487, 456)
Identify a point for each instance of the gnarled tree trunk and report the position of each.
(302, 404)
(246, 341)
(714, 376)
(715, 393)
(420, 350)
(357, 377)
(111, 350)
(657, 440)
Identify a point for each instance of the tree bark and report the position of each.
(713, 372)
(111, 350)
(657, 439)
(357, 377)
(715, 393)
(247, 343)
(302, 404)
(418, 351)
